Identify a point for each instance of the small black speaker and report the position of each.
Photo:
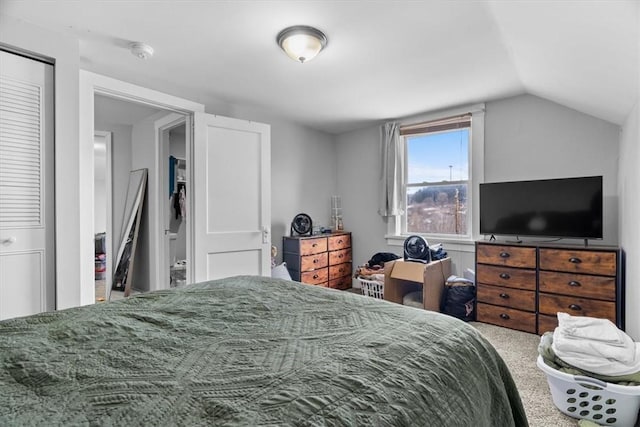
(416, 249)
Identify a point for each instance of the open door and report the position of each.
(232, 197)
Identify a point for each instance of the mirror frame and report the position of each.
(124, 266)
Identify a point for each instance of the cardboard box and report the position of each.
(402, 277)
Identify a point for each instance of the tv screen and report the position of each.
(567, 207)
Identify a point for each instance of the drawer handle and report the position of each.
(315, 276)
(339, 241)
(575, 260)
(505, 276)
(504, 316)
(504, 255)
(575, 307)
(503, 295)
(574, 283)
(314, 245)
(315, 261)
(340, 256)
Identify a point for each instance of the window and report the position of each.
(438, 171)
(443, 164)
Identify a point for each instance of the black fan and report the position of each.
(416, 248)
(302, 225)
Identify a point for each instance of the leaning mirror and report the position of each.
(121, 283)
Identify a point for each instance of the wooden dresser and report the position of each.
(523, 286)
(323, 260)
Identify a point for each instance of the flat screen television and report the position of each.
(564, 208)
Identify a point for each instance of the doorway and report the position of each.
(174, 144)
(222, 154)
(139, 133)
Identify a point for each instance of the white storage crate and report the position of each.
(588, 398)
(372, 288)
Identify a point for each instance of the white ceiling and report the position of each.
(384, 59)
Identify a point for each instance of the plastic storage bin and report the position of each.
(588, 398)
(372, 288)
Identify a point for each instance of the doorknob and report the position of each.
(8, 240)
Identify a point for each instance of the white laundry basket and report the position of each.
(588, 398)
(372, 288)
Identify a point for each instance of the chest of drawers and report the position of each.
(506, 286)
(323, 260)
(523, 287)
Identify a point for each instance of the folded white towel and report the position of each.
(601, 365)
(594, 329)
(577, 345)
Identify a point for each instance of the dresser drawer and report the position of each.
(506, 255)
(551, 304)
(576, 261)
(505, 276)
(340, 241)
(343, 282)
(313, 246)
(580, 285)
(313, 262)
(315, 277)
(338, 257)
(507, 297)
(340, 270)
(546, 323)
(507, 317)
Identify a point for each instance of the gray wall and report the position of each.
(629, 191)
(526, 137)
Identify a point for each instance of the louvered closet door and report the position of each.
(27, 280)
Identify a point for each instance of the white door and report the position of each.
(231, 197)
(27, 279)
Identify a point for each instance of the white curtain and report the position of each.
(393, 176)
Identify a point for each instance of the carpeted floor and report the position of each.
(520, 350)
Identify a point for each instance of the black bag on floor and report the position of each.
(458, 300)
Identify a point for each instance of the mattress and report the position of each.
(251, 351)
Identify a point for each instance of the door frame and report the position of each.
(106, 136)
(92, 84)
(162, 125)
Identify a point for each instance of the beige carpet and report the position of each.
(520, 350)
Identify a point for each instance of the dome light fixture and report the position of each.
(141, 50)
(301, 43)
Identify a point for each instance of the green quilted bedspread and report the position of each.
(251, 351)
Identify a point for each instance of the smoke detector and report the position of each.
(141, 50)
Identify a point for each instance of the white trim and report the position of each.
(395, 232)
(90, 85)
(439, 114)
(106, 138)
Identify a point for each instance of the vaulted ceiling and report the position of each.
(384, 59)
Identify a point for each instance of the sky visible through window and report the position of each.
(431, 155)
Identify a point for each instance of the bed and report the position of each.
(251, 351)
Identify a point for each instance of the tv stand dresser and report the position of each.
(523, 286)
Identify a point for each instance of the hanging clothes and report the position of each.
(183, 202)
(175, 204)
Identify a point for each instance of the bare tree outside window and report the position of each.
(438, 180)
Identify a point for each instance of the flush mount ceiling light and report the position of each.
(301, 43)
(141, 50)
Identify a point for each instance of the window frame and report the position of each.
(396, 225)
